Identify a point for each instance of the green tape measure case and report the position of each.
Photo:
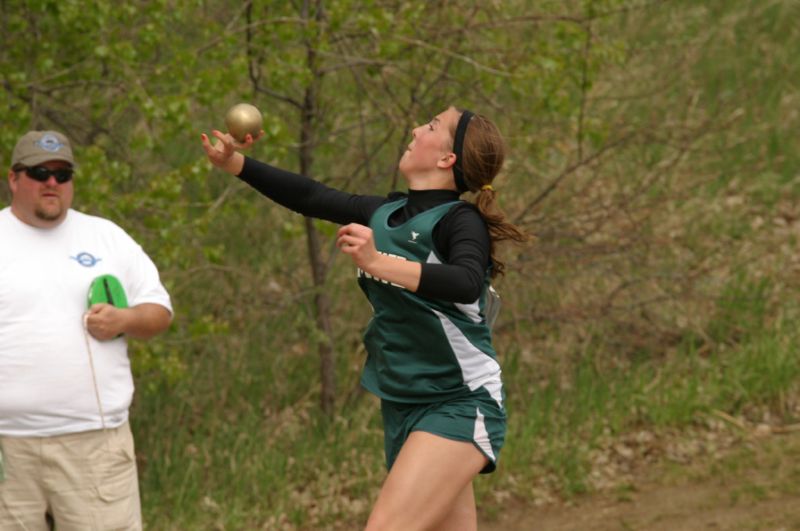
(107, 289)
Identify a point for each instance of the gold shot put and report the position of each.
(242, 119)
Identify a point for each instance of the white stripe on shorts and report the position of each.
(481, 436)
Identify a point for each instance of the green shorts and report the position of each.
(475, 418)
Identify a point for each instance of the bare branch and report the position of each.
(570, 170)
(464, 58)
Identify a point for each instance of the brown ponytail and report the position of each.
(483, 152)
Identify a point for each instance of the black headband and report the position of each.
(458, 146)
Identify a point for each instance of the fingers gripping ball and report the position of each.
(243, 118)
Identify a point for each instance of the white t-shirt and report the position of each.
(46, 383)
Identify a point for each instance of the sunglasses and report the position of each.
(43, 173)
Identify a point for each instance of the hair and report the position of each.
(484, 152)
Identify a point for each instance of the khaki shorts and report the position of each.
(85, 481)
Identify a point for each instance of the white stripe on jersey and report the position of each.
(477, 368)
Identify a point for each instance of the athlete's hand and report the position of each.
(223, 153)
(104, 321)
(356, 240)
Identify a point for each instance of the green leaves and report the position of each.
(652, 152)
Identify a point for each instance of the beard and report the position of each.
(49, 212)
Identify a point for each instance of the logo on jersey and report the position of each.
(86, 259)
(414, 236)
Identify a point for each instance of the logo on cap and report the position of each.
(49, 143)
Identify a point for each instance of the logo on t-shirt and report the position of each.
(414, 236)
(86, 259)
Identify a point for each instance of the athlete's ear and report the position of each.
(446, 161)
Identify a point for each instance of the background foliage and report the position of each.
(653, 155)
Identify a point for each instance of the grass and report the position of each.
(230, 464)
(554, 428)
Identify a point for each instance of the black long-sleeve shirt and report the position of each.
(461, 237)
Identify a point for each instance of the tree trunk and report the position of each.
(322, 309)
(322, 305)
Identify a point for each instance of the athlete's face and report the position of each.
(40, 204)
(431, 147)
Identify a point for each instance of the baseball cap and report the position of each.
(36, 147)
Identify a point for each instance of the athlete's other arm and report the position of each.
(462, 241)
(356, 240)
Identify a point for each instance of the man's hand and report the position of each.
(104, 321)
(142, 321)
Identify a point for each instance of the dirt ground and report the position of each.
(754, 485)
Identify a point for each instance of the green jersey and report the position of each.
(421, 349)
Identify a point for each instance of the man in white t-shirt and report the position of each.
(65, 376)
